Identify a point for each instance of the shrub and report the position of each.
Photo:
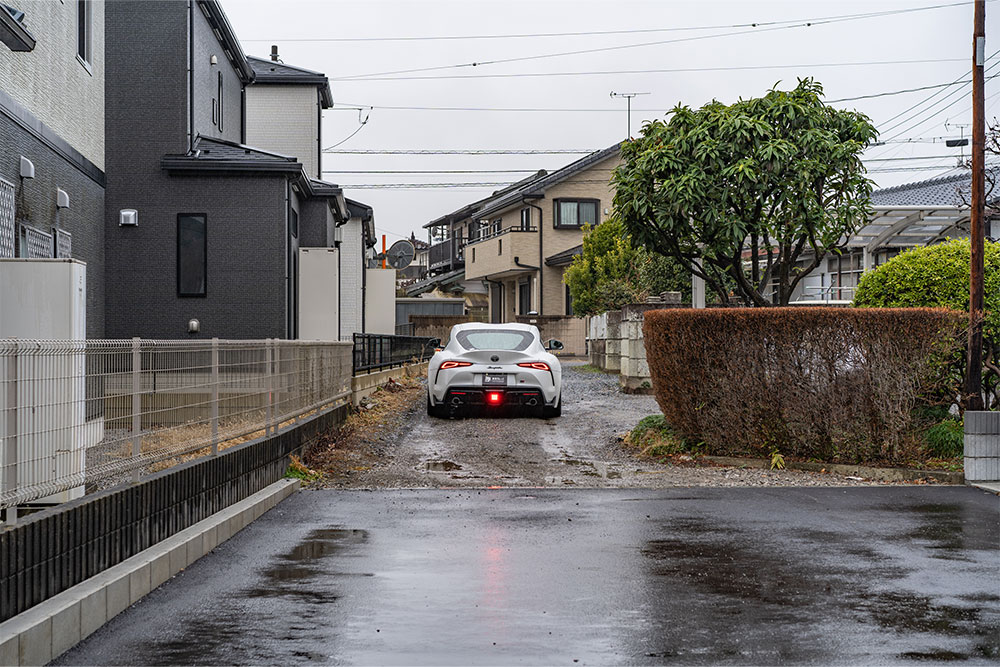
(654, 437)
(835, 384)
(946, 439)
(938, 276)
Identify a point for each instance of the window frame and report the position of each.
(221, 104)
(204, 293)
(556, 211)
(526, 218)
(85, 33)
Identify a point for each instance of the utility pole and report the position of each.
(974, 361)
(628, 97)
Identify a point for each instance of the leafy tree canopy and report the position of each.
(758, 191)
(611, 272)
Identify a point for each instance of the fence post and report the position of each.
(215, 397)
(136, 405)
(10, 438)
(269, 384)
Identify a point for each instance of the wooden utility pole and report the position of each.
(974, 360)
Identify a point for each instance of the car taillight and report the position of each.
(494, 397)
(537, 365)
(454, 364)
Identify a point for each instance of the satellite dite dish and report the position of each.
(400, 254)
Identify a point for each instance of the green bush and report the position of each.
(937, 276)
(946, 439)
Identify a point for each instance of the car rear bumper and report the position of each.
(510, 397)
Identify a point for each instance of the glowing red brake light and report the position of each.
(537, 365)
(494, 397)
(454, 364)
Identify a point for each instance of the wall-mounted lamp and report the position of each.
(194, 326)
(128, 217)
(27, 168)
(62, 198)
(214, 59)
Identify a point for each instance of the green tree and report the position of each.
(611, 272)
(938, 276)
(758, 191)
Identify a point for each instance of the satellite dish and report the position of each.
(400, 254)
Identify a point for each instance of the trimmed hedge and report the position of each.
(828, 383)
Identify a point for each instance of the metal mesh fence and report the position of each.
(79, 415)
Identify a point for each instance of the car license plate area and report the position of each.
(494, 380)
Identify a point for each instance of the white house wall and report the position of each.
(285, 119)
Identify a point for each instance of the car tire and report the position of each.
(433, 410)
(554, 411)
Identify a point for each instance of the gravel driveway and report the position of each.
(582, 448)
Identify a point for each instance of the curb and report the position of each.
(50, 628)
(867, 472)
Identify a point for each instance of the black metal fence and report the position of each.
(375, 351)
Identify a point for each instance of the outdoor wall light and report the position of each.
(214, 59)
(128, 217)
(194, 326)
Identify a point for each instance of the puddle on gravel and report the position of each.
(441, 466)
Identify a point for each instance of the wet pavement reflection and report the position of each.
(546, 576)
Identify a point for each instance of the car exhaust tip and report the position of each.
(532, 402)
(455, 400)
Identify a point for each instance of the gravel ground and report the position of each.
(582, 448)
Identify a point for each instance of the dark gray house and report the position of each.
(201, 231)
(52, 148)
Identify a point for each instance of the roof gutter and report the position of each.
(541, 254)
(13, 34)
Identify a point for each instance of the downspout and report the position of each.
(288, 206)
(364, 278)
(190, 74)
(541, 271)
(319, 134)
(243, 113)
(340, 284)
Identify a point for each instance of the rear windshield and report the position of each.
(495, 339)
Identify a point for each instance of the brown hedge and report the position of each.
(836, 384)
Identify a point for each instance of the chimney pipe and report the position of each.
(274, 52)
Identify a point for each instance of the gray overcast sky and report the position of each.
(941, 36)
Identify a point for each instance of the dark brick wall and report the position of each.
(314, 217)
(58, 548)
(35, 202)
(206, 85)
(147, 93)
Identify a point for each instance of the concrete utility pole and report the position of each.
(974, 361)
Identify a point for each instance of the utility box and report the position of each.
(319, 294)
(44, 300)
(380, 301)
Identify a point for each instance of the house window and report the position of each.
(524, 298)
(84, 31)
(294, 224)
(569, 303)
(192, 254)
(473, 255)
(525, 219)
(499, 246)
(221, 105)
(575, 213)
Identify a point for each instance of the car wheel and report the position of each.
(556, 411)
(432, 410)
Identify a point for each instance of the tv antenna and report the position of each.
(628, 97)
(961, 143)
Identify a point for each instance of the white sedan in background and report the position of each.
(492, 368)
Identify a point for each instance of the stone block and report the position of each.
(195, 549)
(66, 628)
(93, 611)
(159, 570)
(138, 583)
(978, 422)
(118, 596)
(178, 558)
(9, 653)
(35, 644)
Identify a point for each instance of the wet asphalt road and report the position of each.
(585, 576)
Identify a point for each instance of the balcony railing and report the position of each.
(447, 254)
(491, 234)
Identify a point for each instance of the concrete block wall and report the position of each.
(613, 349)
(982, 446)
(571, 331)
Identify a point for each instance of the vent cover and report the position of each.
(63, 244)
(7, 226)
(35, 244)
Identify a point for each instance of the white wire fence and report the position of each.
(77, 415)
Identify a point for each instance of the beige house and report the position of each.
(526, 237)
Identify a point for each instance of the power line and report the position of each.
(672, 70)
(433, 171)
(555, 151)
(908, 90)
(805, 23)
(553, 34)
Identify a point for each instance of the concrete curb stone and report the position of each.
(867, 472)
(42, 633)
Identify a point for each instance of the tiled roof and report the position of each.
(565, 257)
(949, 190)
(268, 71)
(209, 148)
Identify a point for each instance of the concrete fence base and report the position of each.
(982, 446)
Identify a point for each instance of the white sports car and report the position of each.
(494, 367)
